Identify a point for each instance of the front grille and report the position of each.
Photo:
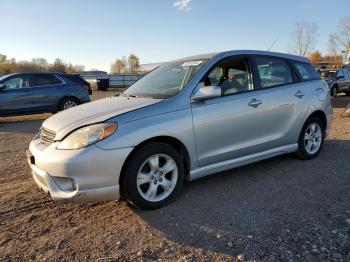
(47, 136)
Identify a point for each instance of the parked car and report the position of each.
(340, 82)
(186, 119)
(328, 74)
(32, 93)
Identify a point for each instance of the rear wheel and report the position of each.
(154, 176)
(67, 102)
(311, 139)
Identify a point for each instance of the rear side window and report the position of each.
(76, 79)
(44, 80)
(273, 72)
(306, 71)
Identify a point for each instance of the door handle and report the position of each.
(255, 103)
(299, 94)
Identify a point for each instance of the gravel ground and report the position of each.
(281, 209)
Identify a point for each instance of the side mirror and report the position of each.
(206, 92)
(2, 86)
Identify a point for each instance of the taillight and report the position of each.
(87, 87)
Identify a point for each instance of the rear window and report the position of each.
(76, 79)
(273, 72)
(44, 80)
(306, 71)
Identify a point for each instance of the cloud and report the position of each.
(183, 5)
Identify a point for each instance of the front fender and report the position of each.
(176, 124)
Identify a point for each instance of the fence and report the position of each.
(123, 80)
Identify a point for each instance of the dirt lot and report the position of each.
(282, 209)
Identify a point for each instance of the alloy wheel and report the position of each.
(313, 138)
(157, 177)
(69, 104)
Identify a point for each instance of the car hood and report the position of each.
(68, 120)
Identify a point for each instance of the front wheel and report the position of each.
(154, 176)
(311, 139)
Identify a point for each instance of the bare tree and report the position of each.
(119, 67)
(333, 46)
(133, 63)
(58, 66)
(341, 39)
(41, 64)
(303, 38)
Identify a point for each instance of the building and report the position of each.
(117, 80)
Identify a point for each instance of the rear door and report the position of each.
(15, 98)
(46, 91)
(284, 102)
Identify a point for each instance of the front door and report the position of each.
(15, 97)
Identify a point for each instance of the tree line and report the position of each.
(130, 65)
(305, 37)
(9, 66)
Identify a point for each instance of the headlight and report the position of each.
(87, 135)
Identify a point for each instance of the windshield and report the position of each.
(167, 80)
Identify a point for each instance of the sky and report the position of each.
(94, 33)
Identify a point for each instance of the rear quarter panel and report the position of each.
(77, 91)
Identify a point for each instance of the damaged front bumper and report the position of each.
(85, 175)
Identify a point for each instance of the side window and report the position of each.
(273, 72)
(347, 73)
(306, 71)
(44, 80)
(232, 75)
(16, 82)
(340, 73)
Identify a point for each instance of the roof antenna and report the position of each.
(273, 43)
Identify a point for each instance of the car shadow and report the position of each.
(25, 127)
(259, 204)
(341, 101)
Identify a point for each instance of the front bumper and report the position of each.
(85, 175)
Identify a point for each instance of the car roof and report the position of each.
(34, 73)
(244, 52)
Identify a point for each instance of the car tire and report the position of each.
(311, 139)
(147, 184)
(334, 91)
(67, 102)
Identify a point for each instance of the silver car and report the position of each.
(187, 119)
